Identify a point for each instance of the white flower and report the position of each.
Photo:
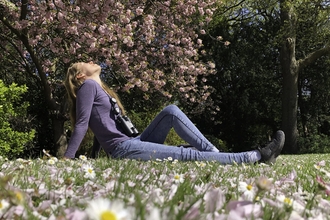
(100, 208)
(200, 164)
(285, 201)
(3, 206)
(83, 157)
(54, 158)
(178, 178)
(247, 190)
(89, 171)
(51, 161)
(20, 160)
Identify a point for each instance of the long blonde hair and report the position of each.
(72, 84)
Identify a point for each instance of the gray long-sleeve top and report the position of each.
(93, 109)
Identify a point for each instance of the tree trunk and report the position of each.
(289, 101)
(58, 118)
(59, 136)
(290, 71)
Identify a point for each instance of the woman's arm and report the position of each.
(84, 103)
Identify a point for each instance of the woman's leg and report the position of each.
(141, 150)
(172, 117)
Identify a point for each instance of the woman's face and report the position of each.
(89, 69)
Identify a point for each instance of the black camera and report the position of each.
(127, 125)
(123, 120)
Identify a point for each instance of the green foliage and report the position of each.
(318, 143)
(13, 136)
(247, 96)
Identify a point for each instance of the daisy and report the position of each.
(289, 202)
(18, 197)
(178, 178)
(101, 208)
(247, 190)
(263, 183)
(3, 206)
(200, 164)
(175, 161)
(83, 157)
(89, 171)
(51, 161)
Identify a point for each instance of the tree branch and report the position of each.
(24, 9)
(325, 51)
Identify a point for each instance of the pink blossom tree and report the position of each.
(152, 45)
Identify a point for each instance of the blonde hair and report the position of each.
(72, 84)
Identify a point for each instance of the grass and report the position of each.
(296, 187)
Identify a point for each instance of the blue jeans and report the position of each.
(150, 144)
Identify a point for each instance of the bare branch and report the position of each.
(325, 51)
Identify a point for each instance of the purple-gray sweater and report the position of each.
(93, 109)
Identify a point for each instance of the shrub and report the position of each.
(14, 136)
(317, 143)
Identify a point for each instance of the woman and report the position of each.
(91, 107)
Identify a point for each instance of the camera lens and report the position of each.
(113, 100)
(117, 110)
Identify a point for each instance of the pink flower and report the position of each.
(323, 185)
(245, 209)
(214, 200)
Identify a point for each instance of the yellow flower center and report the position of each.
(249, 187)
(176, 177)
(0, 205)
(19, 196)
(90, 170)
(108, 215)
(288, 201)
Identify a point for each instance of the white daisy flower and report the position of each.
(200, 164)
(248, 191)
(289, 202)
(51, 161)
(101, 208)
(83, 157)
(285, 200)
(3, 206)
(178, 178)
(89, 171)
(20, 160)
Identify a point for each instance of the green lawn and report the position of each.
(296, 187)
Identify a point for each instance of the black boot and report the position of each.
(270, 152)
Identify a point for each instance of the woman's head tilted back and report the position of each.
(76, 76)
(71, 82)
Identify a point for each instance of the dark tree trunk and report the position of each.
(290, 69)
(290, 72)
(289, 101)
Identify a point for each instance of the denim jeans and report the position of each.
(150, 144)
